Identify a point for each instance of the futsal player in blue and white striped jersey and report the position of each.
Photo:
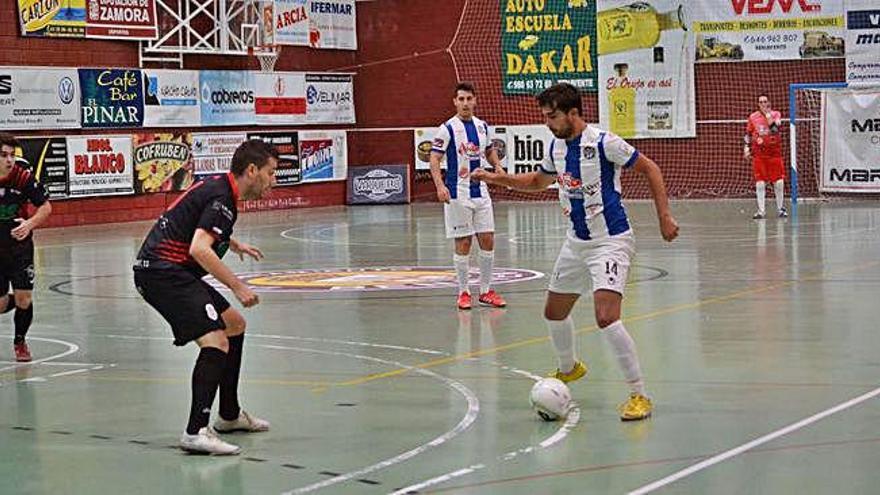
(465, 142)
(586, 163)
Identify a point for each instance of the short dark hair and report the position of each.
(465, 86)
(253, 151)
(562, 97)
(7, 139)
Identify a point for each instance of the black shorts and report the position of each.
(17, 266)
(188, 303)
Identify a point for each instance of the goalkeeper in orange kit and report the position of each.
(764, 146)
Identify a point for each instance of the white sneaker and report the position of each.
(244, 422)
(207, 442)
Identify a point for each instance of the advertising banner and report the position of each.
(171, 98)
(850, 142)
(288, 171)
(47, 157)
(111, 98)
(212, 152)
(329, 99)
(378, 184)
(423, 137)
(527, 146)
(323, 155)
(546, 42)
(749, 30)
(99, 166)
(39, 99)
(280, 98)
(162, 162)
(122, 19)
(862, 42)
(646, 69)
(291, 22)
(332, 24)
(227, 97)
(52, 18)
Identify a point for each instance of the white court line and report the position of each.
(473, 409)
(56, 363)
(754, 443)
(570, 422)
(71, 348)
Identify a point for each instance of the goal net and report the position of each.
(835, 140)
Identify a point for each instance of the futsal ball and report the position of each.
(551, 399)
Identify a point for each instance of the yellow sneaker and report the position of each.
(576, 373)
(637, 407)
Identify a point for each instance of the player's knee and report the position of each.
(605, 318)
(235, 322)
(555, 314)
(23, 299)
(216, 339)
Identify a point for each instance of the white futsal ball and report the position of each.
(551, 399)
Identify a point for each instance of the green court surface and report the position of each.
(754, 336)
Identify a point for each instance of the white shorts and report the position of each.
(602, 262)
(466, 217)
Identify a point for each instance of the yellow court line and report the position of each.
(536, 340)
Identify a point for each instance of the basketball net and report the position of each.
(266, 51)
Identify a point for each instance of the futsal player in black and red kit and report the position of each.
(18, 187)
(185, 244)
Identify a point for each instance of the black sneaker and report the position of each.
(783, 213)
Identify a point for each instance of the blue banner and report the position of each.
(227, 97)
(111, 98)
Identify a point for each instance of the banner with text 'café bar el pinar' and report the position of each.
(751, 30)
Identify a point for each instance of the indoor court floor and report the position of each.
(758, 340)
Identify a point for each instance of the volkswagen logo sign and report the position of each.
(66, 90)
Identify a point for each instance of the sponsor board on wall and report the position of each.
(128, 19)
(748, 30)
(288, 171)
(862, 42)
(546, 42)
(171, 98)
(47, 158)
(378, 184)
(646, 87)
(291, 22)
(423, 138)
(527, 146)
(162, 161)
(227, 97)
(280, 98)
(850, 131)
(39, 99)
(99, 166)
(52, 18)
(212, 151)
(329, 99)
(323, 155)
(111, 98)
(332, 24)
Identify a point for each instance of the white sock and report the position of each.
(461, 270)
(760, 192)
(779, 190)
(562, 335)
(625, 350)
(487, 261)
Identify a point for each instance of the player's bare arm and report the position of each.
(200, 250)
(492, 158)
(531, 181)
(241, 249)
(442, 191)
(25, 227)
(648, 168)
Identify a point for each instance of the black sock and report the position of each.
(23, 319)
(10, 304)
(205, 378)
(229, 407)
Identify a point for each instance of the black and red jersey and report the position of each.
(209, 205)
(17, 189)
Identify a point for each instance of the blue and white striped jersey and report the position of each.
(464, 142)
(588, 173)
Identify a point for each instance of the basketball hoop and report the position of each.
(267, 56)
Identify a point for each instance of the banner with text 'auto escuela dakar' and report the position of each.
(748, 30)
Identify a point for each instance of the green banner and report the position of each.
(548, 41)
